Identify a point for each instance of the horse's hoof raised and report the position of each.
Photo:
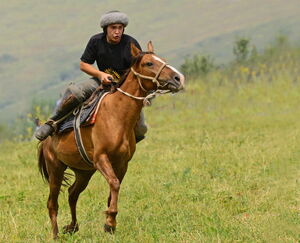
(109, 229)
(70, 229)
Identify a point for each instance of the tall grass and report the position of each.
(220, 164)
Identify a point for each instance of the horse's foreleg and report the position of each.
(81, 182)
(120, 173)
(55, 181)
(104, 166)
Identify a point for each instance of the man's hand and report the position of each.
(105, 78)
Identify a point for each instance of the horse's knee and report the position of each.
(114, 184)
(75, 91)
(82, 90)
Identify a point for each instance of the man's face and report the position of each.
(114, 33)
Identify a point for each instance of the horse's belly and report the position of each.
(75, 161)
(68, 153)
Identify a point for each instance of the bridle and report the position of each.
(153, 79)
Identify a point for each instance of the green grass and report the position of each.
(220, 164)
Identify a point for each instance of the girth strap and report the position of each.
(78, 138)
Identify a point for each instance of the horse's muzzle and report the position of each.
(176, 83)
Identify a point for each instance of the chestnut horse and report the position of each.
(110, 143)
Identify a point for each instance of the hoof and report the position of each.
(70, 229)
(109, 229)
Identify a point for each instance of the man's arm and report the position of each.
(105, 78)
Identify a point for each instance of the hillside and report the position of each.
(41, 42)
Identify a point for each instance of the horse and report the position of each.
(110, 143)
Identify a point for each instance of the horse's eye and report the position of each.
(149, 64)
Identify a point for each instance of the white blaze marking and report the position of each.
(174, 69)
(158, 59)
(171, 67)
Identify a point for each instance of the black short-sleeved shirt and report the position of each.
(109, 56)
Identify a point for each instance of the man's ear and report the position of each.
(150, 46)
(134, 50)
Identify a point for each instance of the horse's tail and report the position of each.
(42, 163)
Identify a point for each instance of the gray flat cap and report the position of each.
(113, 17)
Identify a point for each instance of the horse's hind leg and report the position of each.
(81, 182)
(56, 175)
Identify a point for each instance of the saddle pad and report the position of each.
(86, 113)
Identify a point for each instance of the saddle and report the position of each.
(88, 113)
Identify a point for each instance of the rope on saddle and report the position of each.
(78, 138)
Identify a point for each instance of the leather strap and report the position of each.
(78, 138)
(153, 79)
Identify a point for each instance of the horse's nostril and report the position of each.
(177, 78)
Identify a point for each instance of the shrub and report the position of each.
(196, 66)
(241, 50)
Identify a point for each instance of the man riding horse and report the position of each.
(112, 52)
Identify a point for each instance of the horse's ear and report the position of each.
(134, 50)
(150, 46)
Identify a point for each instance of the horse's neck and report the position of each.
(131, 86)
(126, 108)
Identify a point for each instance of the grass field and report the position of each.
(220, 164)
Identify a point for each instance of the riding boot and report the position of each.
(69, 102)
(139, 138)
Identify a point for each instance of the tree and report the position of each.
(241, 50)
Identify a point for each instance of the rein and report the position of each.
(146, 99)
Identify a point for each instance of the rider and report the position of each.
(112, 52)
